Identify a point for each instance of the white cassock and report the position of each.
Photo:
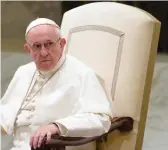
(69, 95)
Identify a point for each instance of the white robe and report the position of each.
(73, 98)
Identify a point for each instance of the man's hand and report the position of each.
(47, 130)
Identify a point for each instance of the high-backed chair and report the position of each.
(120, 43)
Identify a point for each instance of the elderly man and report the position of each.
(54, 94)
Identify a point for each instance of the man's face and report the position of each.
(45, 46)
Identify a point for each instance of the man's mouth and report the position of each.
(45, 60)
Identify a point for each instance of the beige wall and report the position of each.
(16, 15)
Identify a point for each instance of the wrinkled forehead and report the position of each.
(42, 33)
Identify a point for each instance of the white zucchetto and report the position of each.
(40, 21)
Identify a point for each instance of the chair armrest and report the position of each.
(123, 124)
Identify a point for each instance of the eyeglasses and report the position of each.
(36, 47)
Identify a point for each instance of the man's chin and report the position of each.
(45, 68)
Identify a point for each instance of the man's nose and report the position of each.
(44, 51)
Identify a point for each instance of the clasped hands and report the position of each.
(38, 137)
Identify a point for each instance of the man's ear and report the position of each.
(27, 48)
(62, 42)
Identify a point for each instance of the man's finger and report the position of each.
(41, 138)
(35, 140)
(31, 141)
(48, 137)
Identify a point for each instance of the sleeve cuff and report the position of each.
(63, 130)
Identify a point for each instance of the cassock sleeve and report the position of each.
(93, 112)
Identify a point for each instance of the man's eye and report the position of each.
(49, 43)
(37, 45)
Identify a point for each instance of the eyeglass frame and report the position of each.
(44, 44)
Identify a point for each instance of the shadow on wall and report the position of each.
(156, 132)
(10, 61)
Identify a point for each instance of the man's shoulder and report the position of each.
(76, 65)
(26, 67)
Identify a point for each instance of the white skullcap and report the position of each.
(40, 21)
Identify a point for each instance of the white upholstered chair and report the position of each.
(120, 43)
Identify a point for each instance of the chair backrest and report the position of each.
(120, 43)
